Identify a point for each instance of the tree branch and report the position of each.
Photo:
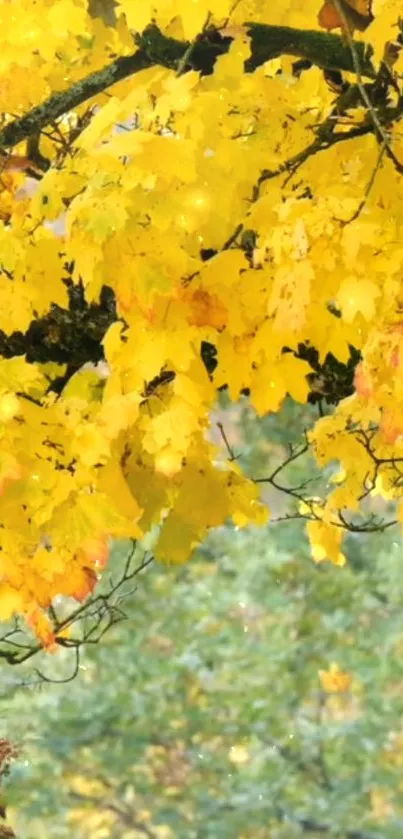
(321, 48)
(62, 102)
(91, 619)
(71, 336)
(326, 50)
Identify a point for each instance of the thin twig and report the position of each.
(101, 609)
(367, 189)
(70, 678)
(362, 89)
(182, 66)
(231, 455)
(321, 757)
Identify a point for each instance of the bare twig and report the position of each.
(184, 61)
(326, 137)
(368, 188)
(379, 128)
(321, 757)
(231, 455)
(70, 678)
(100, 611)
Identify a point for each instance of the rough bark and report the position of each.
(153, 48)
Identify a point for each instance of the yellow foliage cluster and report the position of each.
(132, 209)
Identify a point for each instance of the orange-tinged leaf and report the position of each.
(43, 629)
(206, 309)
(96, 551)
(357, 14)
(362, 381)
(82, 583)
(16, 163)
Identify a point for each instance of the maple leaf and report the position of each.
(42, 627)
(357, 295)
(325, 542)
(334, 680)
(11, 601)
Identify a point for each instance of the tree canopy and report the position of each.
(195, 197)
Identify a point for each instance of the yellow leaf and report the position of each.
(268, 388)
(9, 406)
(239, 755)
(113, 484)
(357, 296)
(335, 680)
(325, 542)
(103, 121)
(11, 601)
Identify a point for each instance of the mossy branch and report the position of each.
(153, 48)
(322, 48)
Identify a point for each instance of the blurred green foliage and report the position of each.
(203, 715)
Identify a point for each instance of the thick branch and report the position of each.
(321, 48)
(71, 336)
(154, 48)
(62, 102)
